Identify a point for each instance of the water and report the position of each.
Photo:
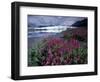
(34, 32)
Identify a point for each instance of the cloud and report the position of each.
(40, 20)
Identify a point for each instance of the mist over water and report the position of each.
(45, 31)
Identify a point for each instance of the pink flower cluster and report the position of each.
(57, 48)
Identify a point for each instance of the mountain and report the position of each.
(82, 23)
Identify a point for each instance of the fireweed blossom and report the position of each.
(73, 43)
(56, 48)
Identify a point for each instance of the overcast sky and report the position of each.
(40, 20)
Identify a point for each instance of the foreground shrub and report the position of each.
(57, 51)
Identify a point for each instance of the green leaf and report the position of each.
(75, 52)
(35, 59)
(34, 63)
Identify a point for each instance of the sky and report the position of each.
(44, 20)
